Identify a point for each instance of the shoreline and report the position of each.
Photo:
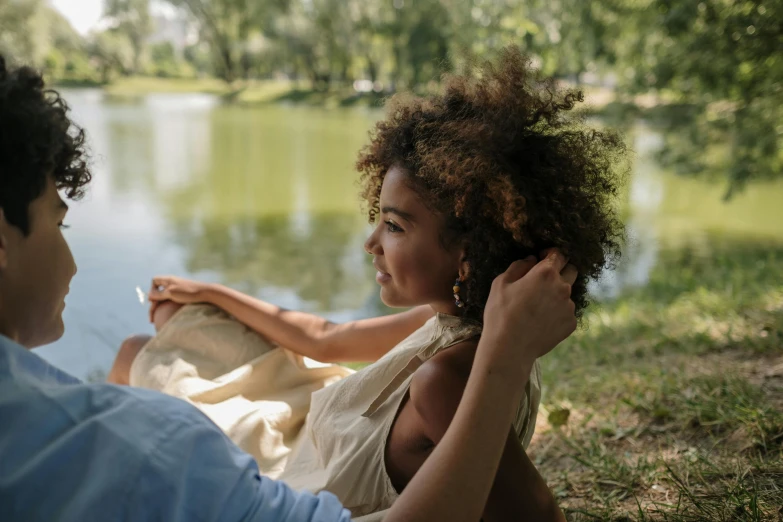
(264, 92)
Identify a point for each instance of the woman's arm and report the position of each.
(364, 340)
(518, 489)
(367, 340)
(455, 481)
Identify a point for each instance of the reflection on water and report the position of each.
(265, 200)
(321, 268)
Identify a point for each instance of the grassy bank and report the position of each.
(279, 91)
(669, 406)
(248, 93)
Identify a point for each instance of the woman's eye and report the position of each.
(392, 227)
(63, 226)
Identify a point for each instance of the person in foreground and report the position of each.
(76, 451)
(459, 184)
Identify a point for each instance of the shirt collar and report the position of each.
(18, 362)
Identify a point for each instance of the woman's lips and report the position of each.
(381, 276)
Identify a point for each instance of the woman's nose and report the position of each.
(372, 243)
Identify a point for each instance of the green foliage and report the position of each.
(715, 48)
(232, 27)
(16, 39)
(163, 60)
(113, 53)
(132, 19)
(722, 58)
(199, 57)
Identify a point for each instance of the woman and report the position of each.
(459, 185)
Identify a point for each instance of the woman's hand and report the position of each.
(178, 290)
(529, 310)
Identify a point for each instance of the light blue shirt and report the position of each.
(71, 451)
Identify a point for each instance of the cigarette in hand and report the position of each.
(141, 295)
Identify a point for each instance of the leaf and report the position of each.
(559, 417)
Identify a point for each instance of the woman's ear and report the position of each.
(464, 264)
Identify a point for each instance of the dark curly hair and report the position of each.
(502, 156)
(37, 139)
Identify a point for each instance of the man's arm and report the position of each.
(197, 473)
(193, 471)
(518, 489)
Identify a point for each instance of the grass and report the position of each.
(669, 404)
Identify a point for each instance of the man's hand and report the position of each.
(529, 310)
(176, 289)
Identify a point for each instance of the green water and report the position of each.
(265, 200)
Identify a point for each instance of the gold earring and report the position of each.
(457, 300)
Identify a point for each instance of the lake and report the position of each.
(265, 200)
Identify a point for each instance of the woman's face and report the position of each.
(413, 268)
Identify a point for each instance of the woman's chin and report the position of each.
(389, 299)
(393, 300)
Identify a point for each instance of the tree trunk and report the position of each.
(138, 48)
(397, 71)
(312, 71)
(105, 73)
(372, 69)
(245, 63)
(227, 65)
(345, 78)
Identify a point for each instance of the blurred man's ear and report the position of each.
(3, 241)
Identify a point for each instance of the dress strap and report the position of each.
(414, 363)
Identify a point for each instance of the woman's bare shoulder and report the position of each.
(438, 384)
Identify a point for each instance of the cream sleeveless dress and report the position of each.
(260, 395)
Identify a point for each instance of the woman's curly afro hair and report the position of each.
(513, 170)
(37, 140)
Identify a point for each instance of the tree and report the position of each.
(113, 52)
(300, 36)
(164, 60)
(722, 59)
(228, 25)
(33, 33)
(16, 38)
(327, 39)
(133, 19)
(67, 57)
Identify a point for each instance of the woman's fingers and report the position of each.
(159, 290)
(519, 268)
(569, 274)
(157, 294)
(153, 307)
(555, 257)
(160, 282)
